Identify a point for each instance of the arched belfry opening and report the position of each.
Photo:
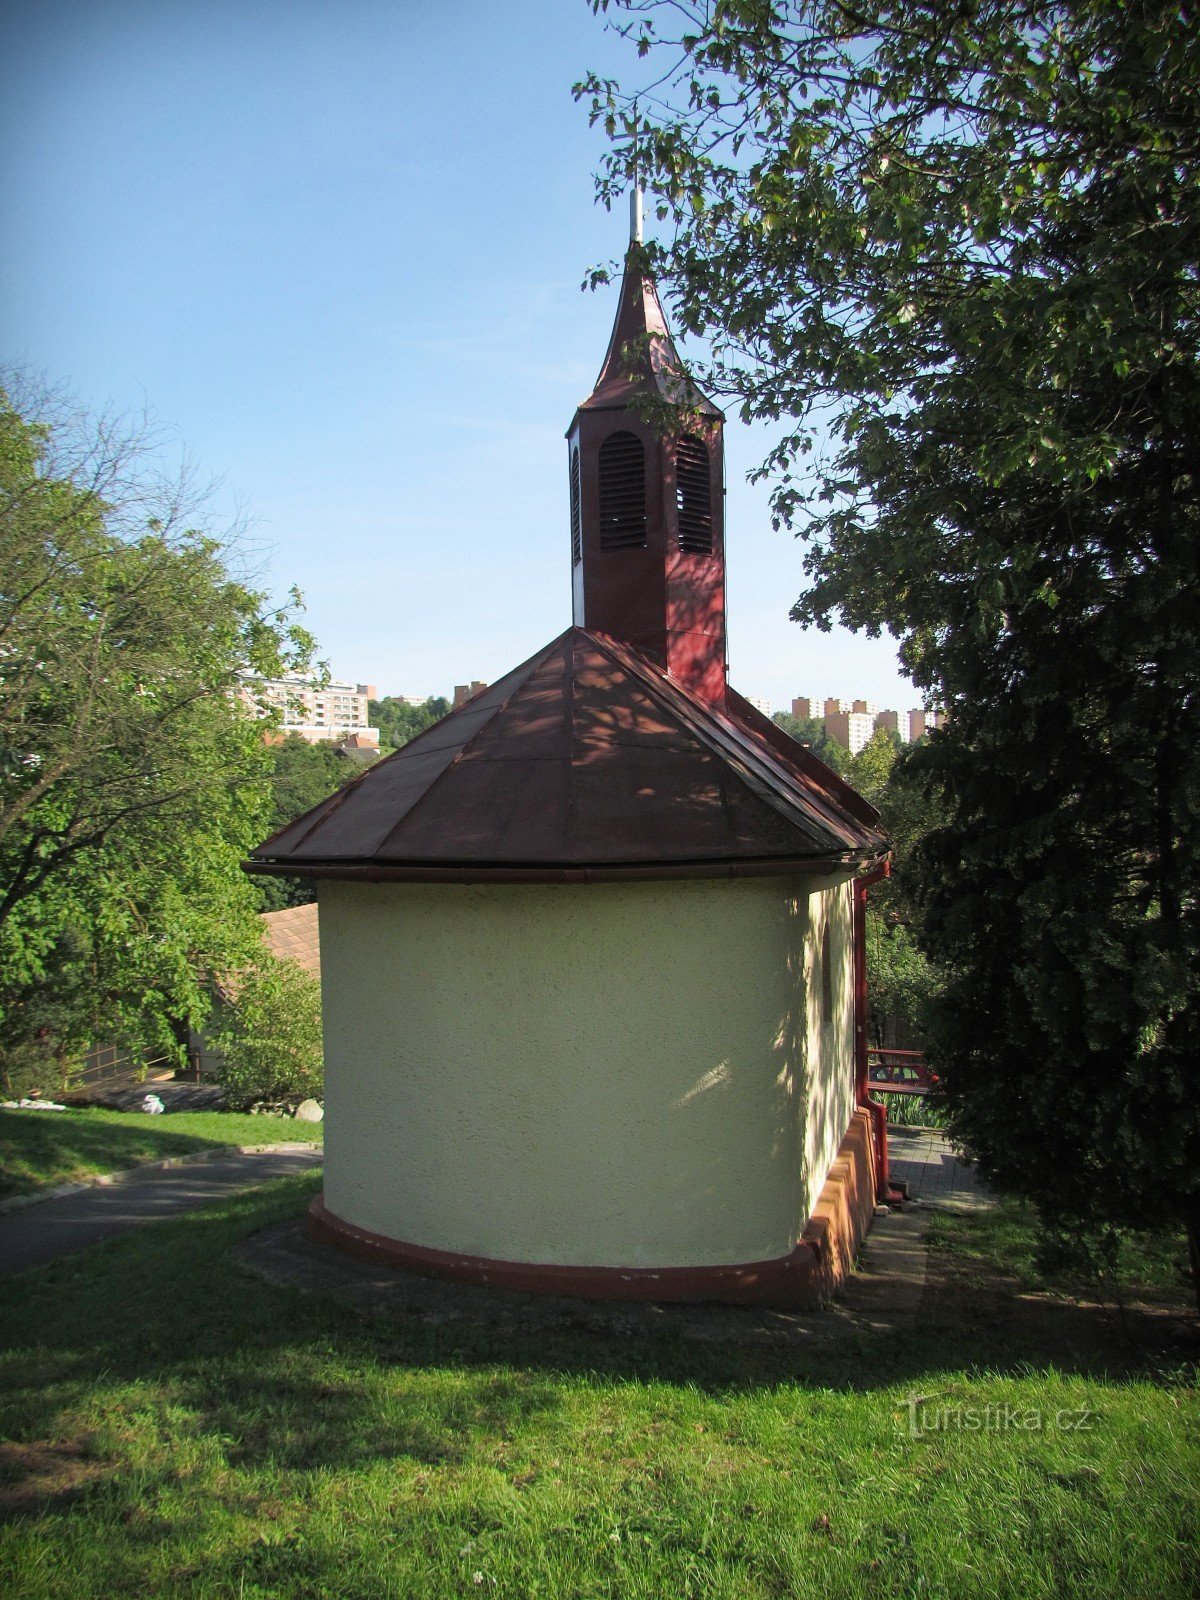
(693, 496)
(576, 512)
(649, 557)
(622, 477)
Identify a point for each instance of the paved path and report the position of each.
(886, 1291)
(129, 1097)
(924, 1159)
(38, 1233)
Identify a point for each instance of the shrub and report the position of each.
(270, 1036)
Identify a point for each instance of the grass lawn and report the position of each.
(1150, 1268)
(39, 1149)
(177, 1427)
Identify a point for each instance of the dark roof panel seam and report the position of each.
(321, 812)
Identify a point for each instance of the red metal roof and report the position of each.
(585, 762)
(641, 354)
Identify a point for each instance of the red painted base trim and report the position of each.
(802, 1279)
(845, 1207)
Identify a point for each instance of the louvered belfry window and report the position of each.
(693, 491)
(622, 492)
(576, 513)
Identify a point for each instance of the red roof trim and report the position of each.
(811, 769)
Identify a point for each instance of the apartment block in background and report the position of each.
(316, 711)
(920, 723)
(852, 722)
(851, 729)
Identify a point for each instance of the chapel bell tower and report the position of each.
(647, 505)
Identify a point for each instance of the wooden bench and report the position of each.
(899, 1071)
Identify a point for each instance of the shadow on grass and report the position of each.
(290, 1379)
(46, 1147)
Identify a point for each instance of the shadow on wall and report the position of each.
(791, 1051)
(799, 1083)
(829, 1086)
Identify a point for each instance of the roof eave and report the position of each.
(851, 863)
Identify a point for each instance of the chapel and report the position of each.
(592, 947)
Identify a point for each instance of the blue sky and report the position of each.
(337, 248)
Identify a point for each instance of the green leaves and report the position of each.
(970, 270)
(268, 1034)
(131, 780)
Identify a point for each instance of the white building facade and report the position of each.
(319, 710)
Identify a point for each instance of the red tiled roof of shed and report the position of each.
(293, 935)
(585, 762)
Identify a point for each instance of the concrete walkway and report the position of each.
(37, 1233)
(924, 1159)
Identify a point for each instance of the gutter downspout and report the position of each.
(885, 1193)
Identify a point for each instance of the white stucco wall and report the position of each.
(594, 1075)
(830, 1075)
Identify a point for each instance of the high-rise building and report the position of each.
(467, 691)
(852, 722)
(318, 711)
(894, 723)
(921, 721)
(851, 729)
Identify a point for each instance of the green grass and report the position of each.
(1007, 1239)
(202, 1434)
(39, 1149)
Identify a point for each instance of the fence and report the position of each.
(111, 1066)
(899, 1071)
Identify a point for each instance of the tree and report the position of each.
(902, 982)
(131, 779)
(811, 731)
(398, 721)
(301, 776)
(957, 247)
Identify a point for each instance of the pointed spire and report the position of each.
(646, 496)
(641, 354)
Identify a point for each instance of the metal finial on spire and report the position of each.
(635, 194)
